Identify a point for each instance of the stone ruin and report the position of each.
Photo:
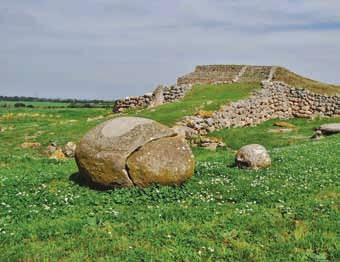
(161, 95)
(203, 74)
(275, 99)
(226, 74)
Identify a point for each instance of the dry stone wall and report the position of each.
(274, 100)
(132, 102)
(211, 74)
(162, 94)
(225, 74)
(206, 74)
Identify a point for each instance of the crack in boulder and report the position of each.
(127, 170)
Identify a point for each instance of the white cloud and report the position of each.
(107, 49)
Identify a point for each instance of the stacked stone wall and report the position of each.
(274, 100)
(170, 94)
(211, 74)
(225, 74)
(132, 102)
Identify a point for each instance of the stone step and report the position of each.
(240, 74)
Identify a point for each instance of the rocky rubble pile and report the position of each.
(274, 100)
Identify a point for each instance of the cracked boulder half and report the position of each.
(133, 151)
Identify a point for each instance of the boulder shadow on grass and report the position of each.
(82, 181)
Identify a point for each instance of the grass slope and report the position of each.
(201, 97)
(268, 135)
(295, 80)
(287, 212)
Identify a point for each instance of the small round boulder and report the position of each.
(253, 157)
(133, 151)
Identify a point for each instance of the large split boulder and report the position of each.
(132, 151)
(253, 156)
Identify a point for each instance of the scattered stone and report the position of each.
(2, 129)
(26, 145)
(204, 114)
(212, 147)
(210, 143)
(103, 152)
(58, 154)
(184, 131)
(284, 124)
(51, 148)
(253, 157)
(91, 119)
(329, 129)
(318, 135)
(69, 149)
(280, 130)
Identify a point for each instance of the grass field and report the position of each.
(202, 97)
(289, 212)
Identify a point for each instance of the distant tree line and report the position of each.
(71, 103)
(55, 100)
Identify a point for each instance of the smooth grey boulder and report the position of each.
(103, 152)
(253, 156)
(329, 129)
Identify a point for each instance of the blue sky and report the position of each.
(109, 49)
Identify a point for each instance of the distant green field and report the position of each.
(36, 104)
(201, 97)
(288, 212)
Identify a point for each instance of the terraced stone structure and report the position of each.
(204, 74)
(283, 95)
(226, 74)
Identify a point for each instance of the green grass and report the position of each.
(265, 134)
(201, 97)
(289, 212)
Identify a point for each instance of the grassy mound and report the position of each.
(295, 80)
(287, 212)
(201, 97)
